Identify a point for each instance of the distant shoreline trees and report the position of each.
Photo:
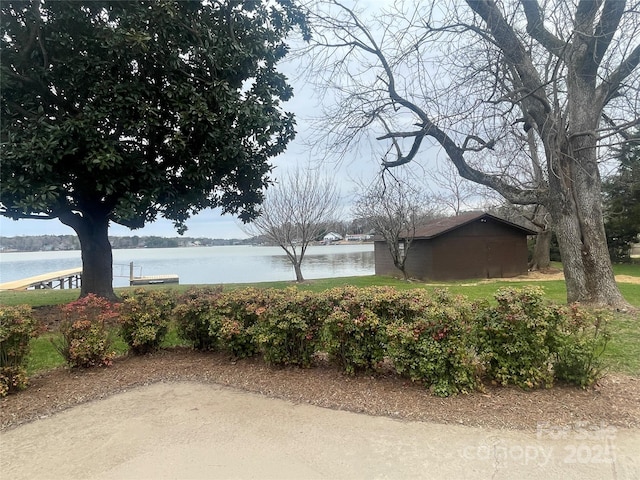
(42, 243)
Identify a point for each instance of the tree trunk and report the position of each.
(541, 258)
(295, 259)
(585, 259)
(97, 258)
(401, 265)
(575, 206)
(298, 270)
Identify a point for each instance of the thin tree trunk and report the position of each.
(400, 264)
(298, 270)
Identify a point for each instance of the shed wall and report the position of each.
(482, 249)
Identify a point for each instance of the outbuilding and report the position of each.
(470, 245)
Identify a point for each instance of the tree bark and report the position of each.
(398, 255)
(97, 257)
(541, 258)
(588, 273)
(298, 270)
(575, 202)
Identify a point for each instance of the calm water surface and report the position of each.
(228, 264)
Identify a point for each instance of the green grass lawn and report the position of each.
(623, 350)
(43, 354)
(474, 289)
(622, 354)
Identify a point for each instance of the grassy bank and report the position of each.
(555, 290)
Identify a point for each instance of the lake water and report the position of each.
(209, 265)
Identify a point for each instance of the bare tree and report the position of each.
(395, 208)
(466, 75)
(453, 192)
(295, 212)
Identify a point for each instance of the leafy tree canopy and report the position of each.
(141, 108)
(125, 111)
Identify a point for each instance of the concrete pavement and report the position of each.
(197, 431)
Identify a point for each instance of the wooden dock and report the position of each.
(151, 279)
(154, 280)
(72, 278)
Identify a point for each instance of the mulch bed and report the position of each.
(614, 401)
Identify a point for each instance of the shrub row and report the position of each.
(441, 340)
(438, 339)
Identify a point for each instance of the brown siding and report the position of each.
(482, 249)
(419, 259)
(383, 260)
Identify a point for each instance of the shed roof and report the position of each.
(443, 225)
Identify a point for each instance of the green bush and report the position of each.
(17, 327)
(144, 319)
(216, 320)
(392, 305)
(287, 329)
(525, 342)
(513, 337)
(353, 334)
(86, 339)
(234, 315)
(193, 317)
(436, 347)
(578, 344)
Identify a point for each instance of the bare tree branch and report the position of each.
(610, 85)
(471, 76)
(536, 28)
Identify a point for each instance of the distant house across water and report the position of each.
(470, 245)
(332, 237)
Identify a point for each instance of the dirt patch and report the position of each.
(546, 274)
(615, 400)
(628, 279)
(554, 274)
